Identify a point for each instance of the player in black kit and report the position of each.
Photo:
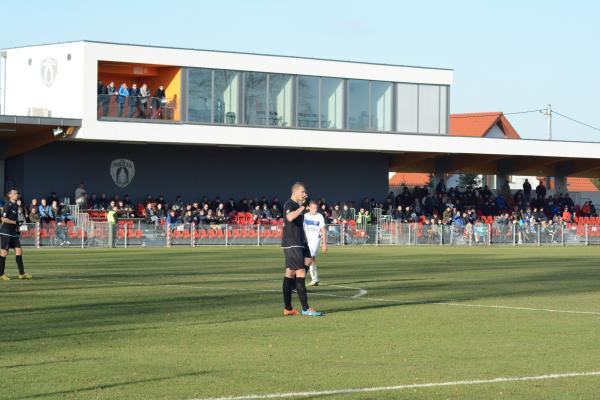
(9, 235)
(297, 254)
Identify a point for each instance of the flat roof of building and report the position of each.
(224, 51)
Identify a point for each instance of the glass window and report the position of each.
(332, 103)
(444, 109)
(358, 104)
(308, 102)
(226, 97)
(199, 94)
(381, 106)
(255, 98)
(280, 100)
(429, 109)
(407, 95)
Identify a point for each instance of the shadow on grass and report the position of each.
(42, 363)
(62, 393)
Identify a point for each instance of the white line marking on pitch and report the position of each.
(361, 291)
(404, 387)
(357, 296)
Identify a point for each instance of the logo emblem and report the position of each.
(49, 69)
(122, 172)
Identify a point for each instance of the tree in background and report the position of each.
(469, 180)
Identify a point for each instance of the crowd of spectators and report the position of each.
(132, 102)
(420, 204)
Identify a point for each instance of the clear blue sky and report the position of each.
(507, 55)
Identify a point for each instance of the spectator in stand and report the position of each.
(159, 99)
(211, 217)
(53, 197)
(80, 195)
(160, 212)
(276, 211)
(134, 101)
(266, 212)
(440, 187)
(230, 206)
(144, 96)
(202, 218)
(585, 209)
(45, 211)
(397, 213)
(526, 190)
(103, 98)
(336, 214)
(189, 217)
(220, 214)
(111, 92)
(323, 211)
(34, 215)
(592, 209)
(346, 214)
(34, 205)
(172, 219)
(540, 190)
(123, 95)
(447, 216)
(103, 201)
(150, 216)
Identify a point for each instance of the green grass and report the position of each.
(206, 322)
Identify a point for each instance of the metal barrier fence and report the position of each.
(136, 233)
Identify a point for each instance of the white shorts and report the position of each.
(313, 246)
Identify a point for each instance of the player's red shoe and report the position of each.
(287, 313)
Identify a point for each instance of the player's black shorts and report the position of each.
(295, 255)
(9, 242)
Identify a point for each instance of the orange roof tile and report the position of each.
(409, 179)
(479, 124)
(580, 185)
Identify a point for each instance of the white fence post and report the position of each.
(168, 226)
(562, 234)
(586, 234)
(514, 234)
(192, 234)
(258, 234)
(37, 235)
(82, 237)
(489, 234)
(226, 235)
(126, 230)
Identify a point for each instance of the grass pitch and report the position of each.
(206, 323)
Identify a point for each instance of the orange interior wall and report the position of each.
(169, 77)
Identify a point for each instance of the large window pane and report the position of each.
(407, 107)
(255, 98)
(429, 109)
(381, 106)
(332, 103)
(199, 94)
(308, 102)
(226, 97)
(444, 109)
(358, 105)
(280, 100)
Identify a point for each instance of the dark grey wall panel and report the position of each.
(196, 171)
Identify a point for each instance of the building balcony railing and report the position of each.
(137, 107)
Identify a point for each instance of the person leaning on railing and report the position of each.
(144, 95)
(123, 95)
(159, 98)
(134, 99)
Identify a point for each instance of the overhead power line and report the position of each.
(576, 121)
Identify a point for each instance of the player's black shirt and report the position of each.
(11, 211)
(293, 232)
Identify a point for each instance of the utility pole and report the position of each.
(548, 113)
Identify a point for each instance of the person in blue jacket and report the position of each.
(123, 94)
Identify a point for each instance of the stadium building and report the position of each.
(234, 124)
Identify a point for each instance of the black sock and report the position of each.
(20, 265)
(301, 289)
(2, 264)
(288, 284)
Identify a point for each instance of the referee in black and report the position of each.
(297, 254)
(9, 235)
